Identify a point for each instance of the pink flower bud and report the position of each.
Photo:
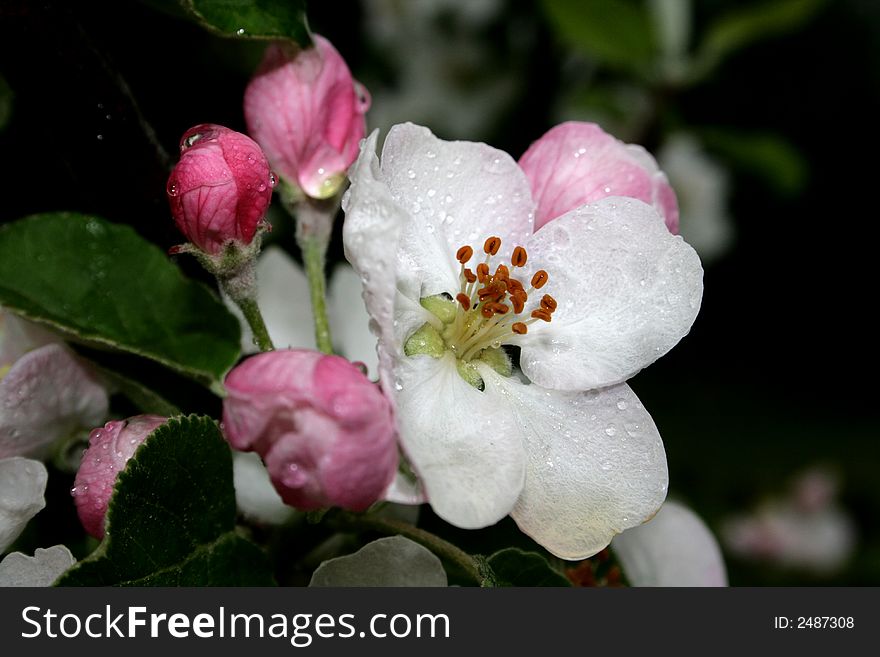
(307, 113)
(577, 163)
(325, 432)
(221, 187)
(109, 449)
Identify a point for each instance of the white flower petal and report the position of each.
(349, 319)
(467, 453)
(596, 464)
(22, 485)
(674, 548)
(456, 192)
(370, 233)
(45, 396)
(403, 490)
(390, 561)
(42, 569)
(627, 290)
(255, 495)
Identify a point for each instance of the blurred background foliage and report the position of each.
(762, 113)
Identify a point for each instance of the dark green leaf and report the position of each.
(748, 24)
(253, 19)
(515, 567)
(617, 32)
(105, 285)
(147, 401)
(762, 154)
(171, 520)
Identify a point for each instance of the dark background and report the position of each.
(778, 372)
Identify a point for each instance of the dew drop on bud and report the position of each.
(261, 187)
(240, 31)
(272, 179)
(172, 189)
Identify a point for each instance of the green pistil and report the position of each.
(429, 341)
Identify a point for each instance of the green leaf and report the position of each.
(171, 520)
(745, 25)
(390, 561)
(762, 154)
(618, 32)
(515, 567)
(253, 19)
(147, 400)
(105, 285)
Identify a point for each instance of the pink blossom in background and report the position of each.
(221, 187)
(325, 432)
(110, 448)
(306, 111)
(576, 163)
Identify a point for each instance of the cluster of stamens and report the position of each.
(493, 304)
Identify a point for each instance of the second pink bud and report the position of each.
(325, 432)
(307, 113)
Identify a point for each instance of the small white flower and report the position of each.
(567, 449)
(674, 548)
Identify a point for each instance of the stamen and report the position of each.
(519, 328)
(482, 272)
(548, 303)
(469, 276)
(486, 311)
(492, 245)
(502, 273)
(519, 302)
(464, 254)
(498, 308)
(515, 286)
(464, 300)
(540, 279)
(541, 313)
(519, 257)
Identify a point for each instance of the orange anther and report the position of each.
(469, 276)
(548, 303)
(502, 273)
(519, 303)
(498, 308)
(514, 285)
(464, 300)
(482, 272)
(520, 328)
(539, 279)
(519, 257)
(541, 313)
(464, 254)
(486, 311)
(492, 245)
(486, 292)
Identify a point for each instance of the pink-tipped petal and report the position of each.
(110, 448)
(325, 432)
(220, 189)
(576, 163)
(307, 112)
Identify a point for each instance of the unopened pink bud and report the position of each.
(325, 432)
(110, 448)
(576, 163)
(221, 187)
(306, 111)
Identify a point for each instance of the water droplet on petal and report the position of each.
(172, 189)
(621, 405)
(272, 179)
(610, 431)
(410, 174)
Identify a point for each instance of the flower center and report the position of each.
(489, 308)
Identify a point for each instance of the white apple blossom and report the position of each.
(564, 447)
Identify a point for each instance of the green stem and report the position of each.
(314, 258)
(254, 318)
(241, 286)
(472, 566)
(314, 226)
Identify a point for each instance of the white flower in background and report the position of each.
(674, 548)
(805, 529)
(701, 184)
(567, 449)
(445, 73)
(283, 295)
(22, 489)
(46, 393)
